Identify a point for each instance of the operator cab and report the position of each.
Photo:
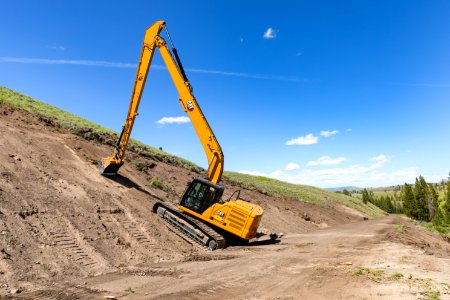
(201, 194)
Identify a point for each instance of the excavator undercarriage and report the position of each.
(190, 228)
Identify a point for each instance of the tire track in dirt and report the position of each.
(61, 293)
(135, 230)
(70, 245)
(68, 238)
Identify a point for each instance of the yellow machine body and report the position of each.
(238, 217)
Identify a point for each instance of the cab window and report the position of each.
(199, 197)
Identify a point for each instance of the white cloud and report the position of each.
(253, 173)
(173, 120)
(269, 34)
(309, 139)
(372, 174)
(326, 160)
(406, 173)
(274, 174)
(291, 167)
(355, 175)
(328, 133)
(57, 47)
(348, 129)
(380, 158)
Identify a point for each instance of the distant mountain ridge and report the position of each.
(338, 189)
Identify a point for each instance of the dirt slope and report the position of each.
(66, 233)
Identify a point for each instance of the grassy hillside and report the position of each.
(82, 127)
(91, 131)
(305, 193)
(46, 111)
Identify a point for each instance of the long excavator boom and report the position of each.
(201, 216)
(152, 40)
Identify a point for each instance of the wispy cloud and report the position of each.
(247, 75)
(291, 167)
(309, 139)
(107, 64)
(326, 160)
(328, 133)
(379, 161)
(438, 85)
(269, 34)
(90, 63)
(173, 120)
(57, 47)
(380, 158)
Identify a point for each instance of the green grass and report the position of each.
(444, 230)
(359, 272)
(399, 228)
(373, 274)
(305, 193)
(46, 111)
(157, 183)
(432, 295)
(91, 131)
(396, 276)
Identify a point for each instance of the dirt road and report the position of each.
(325, 264)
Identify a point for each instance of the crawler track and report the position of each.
(190, 228)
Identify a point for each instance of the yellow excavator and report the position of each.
(201, 215)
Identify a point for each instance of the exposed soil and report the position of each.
(66, 232)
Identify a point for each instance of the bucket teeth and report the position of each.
(109, 166)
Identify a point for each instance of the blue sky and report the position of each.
(324, 93)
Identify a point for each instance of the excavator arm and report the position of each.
(200, 216)
(152, 40)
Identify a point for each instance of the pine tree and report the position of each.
(409, 206)
(371, 197)
(439, 219)
(381, 203)
(390, 206)
(446, 205)
(398, 207)
(433, 202)
(365, 196)
(421, 195)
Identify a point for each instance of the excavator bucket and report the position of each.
(109, 166)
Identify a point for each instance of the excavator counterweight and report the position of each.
(201, 215)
